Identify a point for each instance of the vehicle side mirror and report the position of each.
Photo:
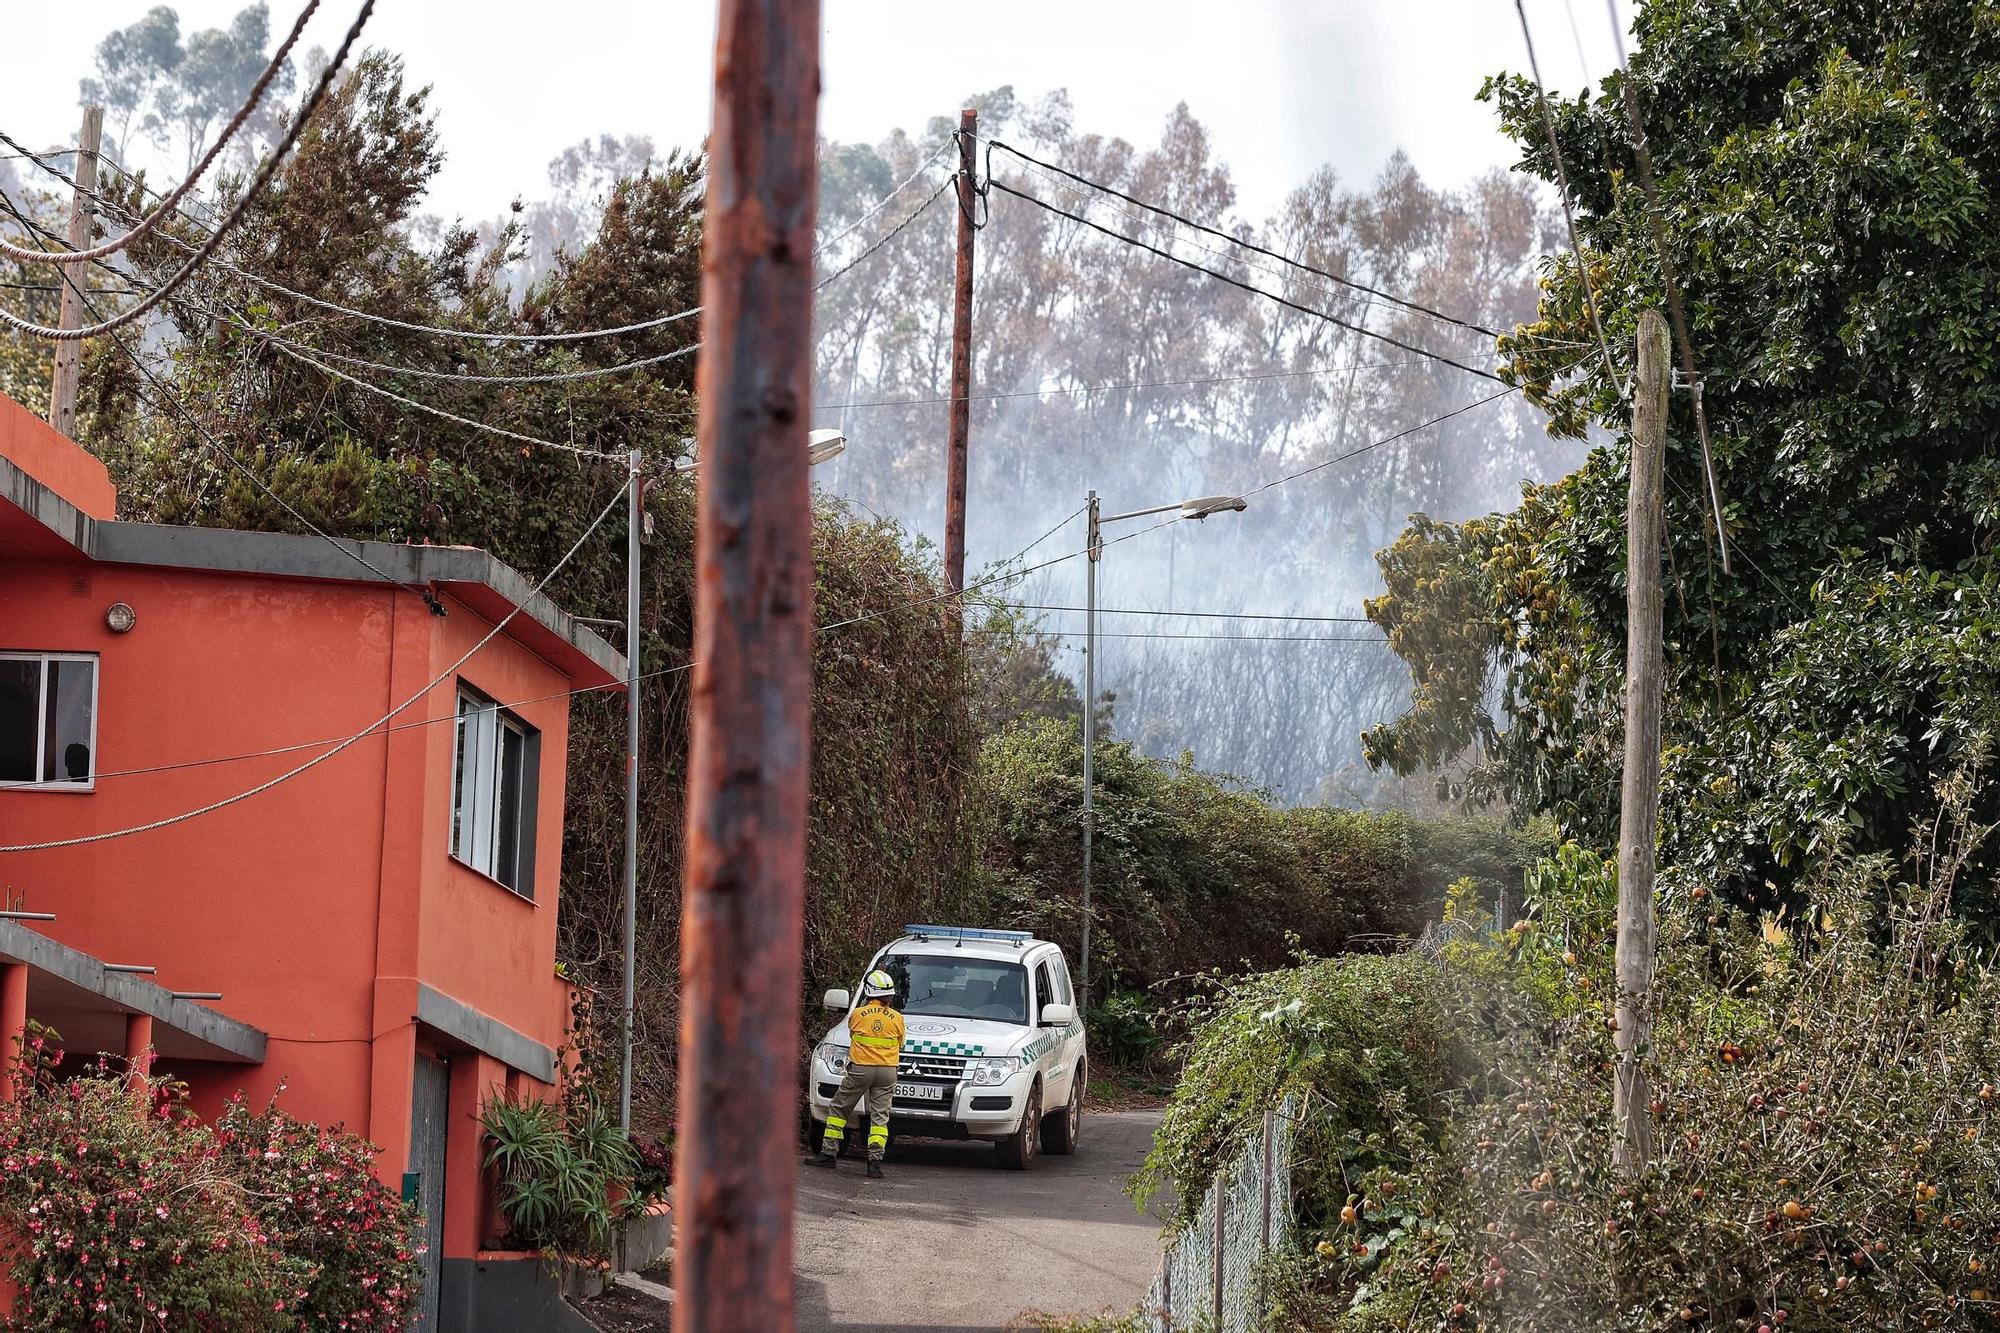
(836, 999)
(1058, 1015)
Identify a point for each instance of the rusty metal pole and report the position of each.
(961, 362)
(743, 892)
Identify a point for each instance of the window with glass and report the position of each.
(493, 792)
(947, 987)
(48, 720)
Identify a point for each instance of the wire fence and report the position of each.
(1212, 1277)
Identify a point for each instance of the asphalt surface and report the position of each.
(948, 1241)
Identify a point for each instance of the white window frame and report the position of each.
(478, 847)
(41, 719)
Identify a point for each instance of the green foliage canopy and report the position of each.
(1824, 174)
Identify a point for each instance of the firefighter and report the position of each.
(875, 1036)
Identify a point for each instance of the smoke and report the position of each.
(1099, 366)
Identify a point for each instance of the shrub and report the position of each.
(1368, 1041)
(128, 1212)
(558, 1163)
(348, 1243)
(1826, 1105)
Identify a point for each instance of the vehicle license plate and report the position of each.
(922, 1092)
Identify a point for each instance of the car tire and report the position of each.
(1018, 1150)
(1062, 1126)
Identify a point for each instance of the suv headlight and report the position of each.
(992, 1068)
(833, 1057)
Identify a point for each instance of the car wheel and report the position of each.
(1017, 1151)
(1062, 1126)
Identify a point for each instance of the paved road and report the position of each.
(948, 1241)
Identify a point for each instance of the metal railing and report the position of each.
(1212, 1277)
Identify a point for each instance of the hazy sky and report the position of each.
(1284, 85)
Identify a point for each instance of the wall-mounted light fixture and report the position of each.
(119, 618)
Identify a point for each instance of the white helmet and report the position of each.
(878, 983)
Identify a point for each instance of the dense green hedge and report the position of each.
(1194, 872)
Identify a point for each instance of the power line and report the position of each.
(285, 348)
(357, 737)
(439, 412)
(1377, 444)
(265, 171)
(166, 206)
(1199, 615)
(1349, 325)
(658, 672)
(1212, 638)
(468, 377)
(883, 202)
(312, 353)
(161, 392)
(1228, 256)
(882, 240)
(1237, 240)
(1569, 212)
(639, 326)
(1131, 384)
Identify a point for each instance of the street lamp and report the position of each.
(820, 446)
(1199, 508)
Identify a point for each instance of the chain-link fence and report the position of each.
(1213, 1275)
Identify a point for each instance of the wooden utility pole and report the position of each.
(82, 211)
(743, 891)
(1639, 805)
(961, 360)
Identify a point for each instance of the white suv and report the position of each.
(992, 1042)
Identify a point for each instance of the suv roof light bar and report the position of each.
(968, 933)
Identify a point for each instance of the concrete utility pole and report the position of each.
(743, 898)
(82, 211)
(1639, 805)
(961, 362)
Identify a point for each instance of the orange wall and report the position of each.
(479, 942)
(54, 460)
(292, 903)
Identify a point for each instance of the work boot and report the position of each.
(823, 1158)
(874, 1170)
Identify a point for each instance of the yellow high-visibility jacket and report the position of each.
(876, 1032)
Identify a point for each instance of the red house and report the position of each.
(377, 934)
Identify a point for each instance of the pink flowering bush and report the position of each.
(120, 1209)
(349, 1245)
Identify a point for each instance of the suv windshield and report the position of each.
(947, 987)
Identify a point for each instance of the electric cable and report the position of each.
(313, 354)
(1245, 378)
(163, 393)
(200, 169)
(1214, 638)
(1569, 211)
(1235, 240)
(262, 787)
(1227, 256)
(265, 171)
(881, 241)
(1352, 327)
(639, 326)
(883, 202)
(915, 604)
(1200, 615)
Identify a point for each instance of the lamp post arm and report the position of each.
(1140, 513)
